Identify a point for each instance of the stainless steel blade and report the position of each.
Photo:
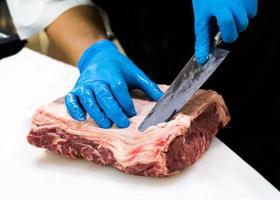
(191, 78)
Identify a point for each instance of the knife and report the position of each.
(188, 81)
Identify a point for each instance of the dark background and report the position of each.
(160, 39)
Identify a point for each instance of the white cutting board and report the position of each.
(28, 80)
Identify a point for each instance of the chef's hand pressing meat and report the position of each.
(232, 17)
(102, 89)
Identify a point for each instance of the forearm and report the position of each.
(75, 30)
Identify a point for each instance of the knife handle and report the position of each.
(217, 39)
(215, 33)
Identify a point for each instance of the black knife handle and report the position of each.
(217, 39)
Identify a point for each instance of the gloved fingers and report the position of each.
(109, 104)
(88, 101)
(251, 7)
(73, 107)
(240, 16)
(202, 40)
(146, 85)
(121, 93)
(226, 25)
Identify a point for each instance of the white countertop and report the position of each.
(28, 80)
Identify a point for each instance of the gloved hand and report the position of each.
(102, 88)
(232, 17)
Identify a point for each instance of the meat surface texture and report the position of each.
(162, 150)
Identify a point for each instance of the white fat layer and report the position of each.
(122, 142)
(128, 145)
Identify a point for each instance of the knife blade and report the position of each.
(188, 81)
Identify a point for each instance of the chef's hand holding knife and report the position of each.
(106, 75)
(232, 18)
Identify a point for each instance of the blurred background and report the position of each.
(248, 80)
(39, 42)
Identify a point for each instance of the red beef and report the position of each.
(161, 150)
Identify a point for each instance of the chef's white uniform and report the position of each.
(32, 16)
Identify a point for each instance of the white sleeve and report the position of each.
(32, 16)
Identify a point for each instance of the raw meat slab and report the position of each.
(161, 150)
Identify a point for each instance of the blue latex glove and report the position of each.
(232, 17)
(102, 88)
